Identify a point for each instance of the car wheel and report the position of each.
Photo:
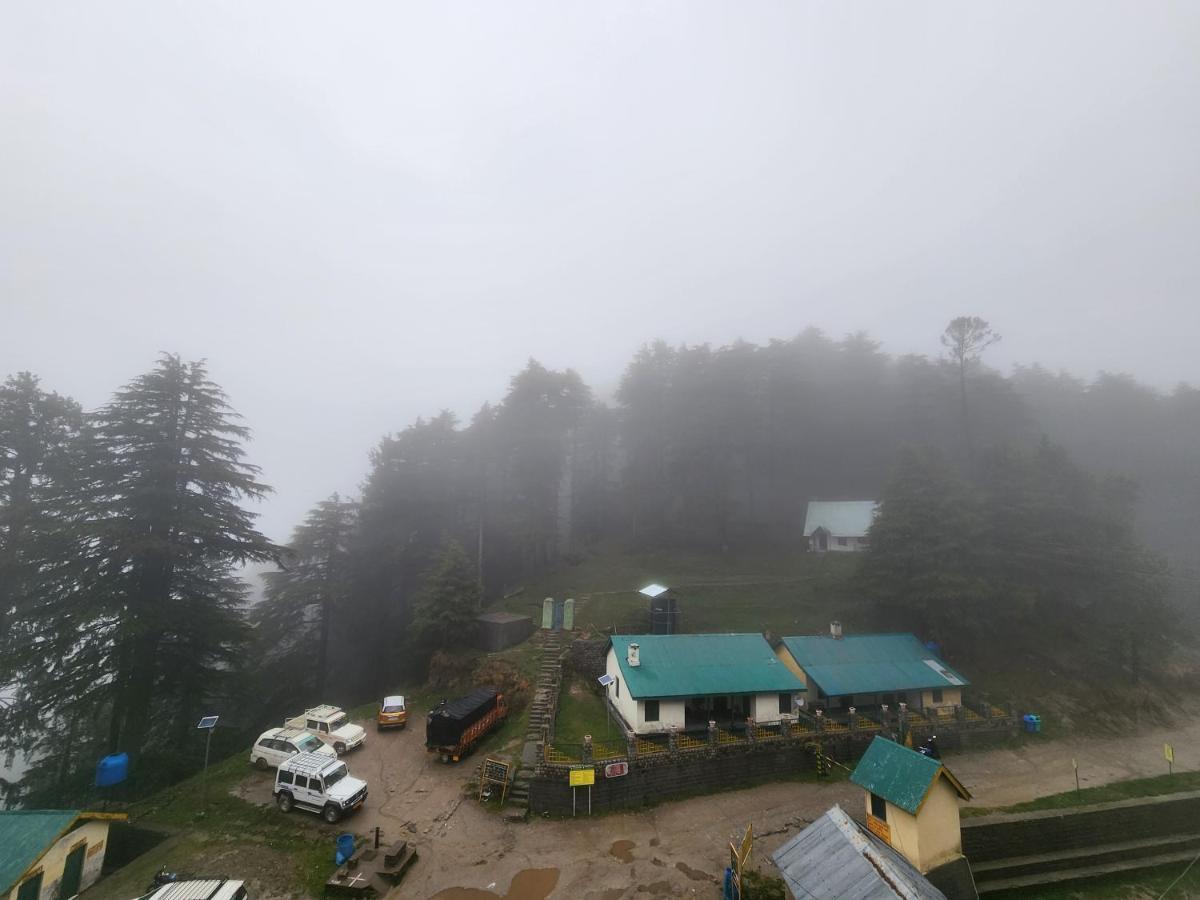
(261, 764)
(339, 748)
(284, 802)
(331, 814)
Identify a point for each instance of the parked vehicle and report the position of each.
(392, 713)
(276, 744)
(453, 729)
(170, 886)
(314, 782)
(331, 726)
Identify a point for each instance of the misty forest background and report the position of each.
(1035, 510)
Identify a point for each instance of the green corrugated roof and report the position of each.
(24, 836)
(870, 664)
(697, 665)
(901, 776)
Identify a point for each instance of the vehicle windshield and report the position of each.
(335, 776)
(393, 707)
(335, 724)
(308, 744)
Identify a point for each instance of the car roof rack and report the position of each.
(308, 763)
(324, 711)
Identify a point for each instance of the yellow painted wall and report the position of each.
(950, 697)
(788, 660)
(933, 836)
(95, 834)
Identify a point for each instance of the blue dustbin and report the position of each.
(345, 848)
(1033, 723)
(112, 770)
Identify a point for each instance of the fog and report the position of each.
(362, 214)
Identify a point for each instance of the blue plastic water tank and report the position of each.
(113, 769)
(345, 848)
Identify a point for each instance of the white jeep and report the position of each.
(319, 784)
(331, 726)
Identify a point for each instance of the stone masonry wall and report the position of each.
(1048, 831)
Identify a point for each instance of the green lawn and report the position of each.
(787, 592)
(581, 711)
(1118, 790)
(1145, 885)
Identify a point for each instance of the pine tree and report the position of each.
(312, 586)
(447, 603)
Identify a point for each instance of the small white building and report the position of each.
(839, 526)
(683, 681)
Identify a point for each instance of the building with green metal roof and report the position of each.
(870, 669)
(660, 681)
(911, 803)
(51, 853)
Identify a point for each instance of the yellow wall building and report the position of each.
(911, 803)
(51, 854)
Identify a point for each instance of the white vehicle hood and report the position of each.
(346, 788)
(349, 733)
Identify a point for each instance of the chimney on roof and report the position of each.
(634, 657)
(835, 630)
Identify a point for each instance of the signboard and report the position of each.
(616, 770)
(494, 771)
(605, 680)
(879, 828)
(739, 855)
(208, 722)
(583, 777)
(1169, 753)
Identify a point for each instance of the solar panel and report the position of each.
(653, 590)
(605, 680)
(208, 722)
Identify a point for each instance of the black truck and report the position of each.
(453, 727)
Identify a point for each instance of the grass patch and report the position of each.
(1107, 793)
(786, 591)
(581, 711)
(1148, 883)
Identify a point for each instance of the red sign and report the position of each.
(616, 770)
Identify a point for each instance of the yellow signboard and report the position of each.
(880, 829)
(1169, 753)
(583, 777)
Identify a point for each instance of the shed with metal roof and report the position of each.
(868, 669)
(835, 857)
(685, 680)
(49, 853)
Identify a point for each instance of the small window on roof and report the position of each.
(651, 710)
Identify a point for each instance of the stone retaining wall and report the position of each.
(1049, 831)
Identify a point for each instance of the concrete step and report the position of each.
(1083, 873)
(1101, 854)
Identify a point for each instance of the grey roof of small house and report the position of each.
(835, 857)
(841, 518)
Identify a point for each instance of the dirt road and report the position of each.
(676, 849)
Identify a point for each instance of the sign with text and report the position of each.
(1169, 753)
(582, 777)
(616, 770)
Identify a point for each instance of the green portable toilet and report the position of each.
(568, 615)
(548, 613)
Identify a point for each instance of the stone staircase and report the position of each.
(1063, 866)
(541, 714)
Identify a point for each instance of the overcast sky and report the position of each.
(364, 212)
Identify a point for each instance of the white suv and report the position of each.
(319, 784)
(277, 744)
(331, 726)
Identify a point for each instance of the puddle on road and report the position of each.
(528, 884)
(622, 850)
(694, 874)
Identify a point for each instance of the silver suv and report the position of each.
(318, 784)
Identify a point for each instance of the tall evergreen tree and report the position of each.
(447, 602)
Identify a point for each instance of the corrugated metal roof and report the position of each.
(697, 665)
(835, 857)
(870, 663)
(901, 776)
(841, 518)
(25, 834)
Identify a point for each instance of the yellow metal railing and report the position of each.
(687, 742)
(647, 748)
(555, 755)
(728, 737)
